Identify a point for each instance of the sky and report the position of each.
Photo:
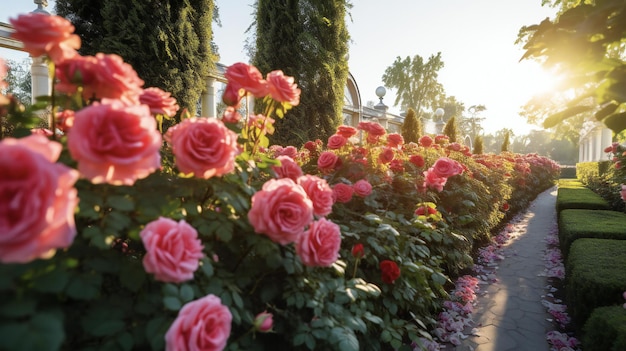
(476, 39)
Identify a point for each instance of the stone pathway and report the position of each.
(509, 315)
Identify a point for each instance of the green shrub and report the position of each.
(595, 276)
(581, 198)
(588, 170)
(578, 223)
(605, 330)
(568, 172)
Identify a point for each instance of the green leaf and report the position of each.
(170, 289)
(616, 122)
(439, 278)
(155, 329)
(84, 286)
(207, 267)
(18, 308)
(557, 118)
(186, 293)
(172, 303)
(52, 282)
(120, 202)
(125, 341)
(44, 332)
(133, 275)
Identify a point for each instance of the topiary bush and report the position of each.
(579, 223)
(605, 330)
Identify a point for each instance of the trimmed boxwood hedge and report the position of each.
(605, 330)
(578, 223)
(594, 276)
(570, 183)
(582, 198)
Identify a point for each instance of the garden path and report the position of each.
(509, 315)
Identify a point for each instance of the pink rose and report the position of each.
(282, 88)
(4, 69)
(65, 120)
(281, 210)
(102, 76)
(347, 131)
(319, 246)
(336, 141)
(342, 192)
(319, 192)
(362, 188)
(231, 115)
(433, 180)
(46, 34)
(441, 139)
(288, 168)
(426, 141)
(247, 77)
(232, 95)
(201, 325)
(327, 161)
(263, 322)
(445, 167)
(173, 250)
(115, 143)
(623, 192)
(290, 151)
(37, 199)
(160, 102)
(374, 131)
(203, 146)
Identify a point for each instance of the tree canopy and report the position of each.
(168, 43)
(415, 81)
(586, 41)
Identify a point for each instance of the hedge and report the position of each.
(594, 276)
(580, 223)
(587, 170)
(605, 330)
(581, 198)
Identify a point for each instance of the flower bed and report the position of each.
(117, 234)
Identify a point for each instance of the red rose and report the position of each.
(386, 156)
(347, 131)
(232, 95)
(417, 160)
(432, 180)
(358, 251)
(389, 271)
(342, 192)
(327, 161)
(426, 141)
(394, 140)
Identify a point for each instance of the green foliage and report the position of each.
(411, 127)
(605, 329)
(579, 198)
(415, 81)
(167, 43)
(595, 275)
(309, 41)
(585, 42)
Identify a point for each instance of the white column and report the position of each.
(581, 150)
(589, 149)
(208, 99)
(598, 147)
(607, 140)
(41, 84)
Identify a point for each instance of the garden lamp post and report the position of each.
(440, 124)
(381, 107)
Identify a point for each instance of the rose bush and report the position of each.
(203, 236)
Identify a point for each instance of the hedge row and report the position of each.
(592, 241)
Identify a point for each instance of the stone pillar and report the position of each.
(598, 147)
(208, 101)
(581, 150)
(607, 140)
(41, 84)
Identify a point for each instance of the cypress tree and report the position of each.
(506, 143)
(451, 130)
(411, 127)
(478, 145)
(306, 39)
(168, 43)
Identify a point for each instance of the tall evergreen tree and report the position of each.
(308, 40)
(451, 130)
(478, 145)
(167, 42)
(506, 143)
(412, 127)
